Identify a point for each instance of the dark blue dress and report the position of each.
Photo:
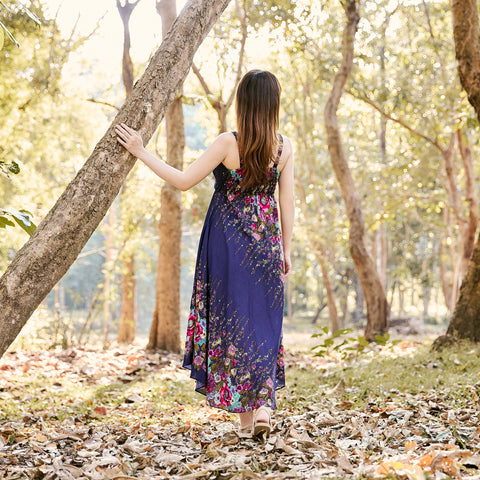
(234, 334)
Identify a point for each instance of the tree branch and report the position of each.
(202, 81)
(396, 120)
(101, 102)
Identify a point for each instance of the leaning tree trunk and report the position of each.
(465, 322)
(127, 326)
(59, 238)
(165, 328)
(377, 308)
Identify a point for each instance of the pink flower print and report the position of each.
(231, 196)
(217, 352)
(256, 236)
(239, 388)
(280, 362)
(210, 383)
(231, 350)
(263, 391)
(198, 360)
(264, 202)
(247, 386)
(225, 395)
(269, 382)
(252, 226)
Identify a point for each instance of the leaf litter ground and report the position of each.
(398, 413)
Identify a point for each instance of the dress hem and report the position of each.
(201, 389)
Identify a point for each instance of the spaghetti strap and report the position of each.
(238, 146)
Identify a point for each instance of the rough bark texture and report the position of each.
(57, 241)
(377, 308)
(465, 322)
(127, 326)
(470, 226)
(107, 274)
(165, 328)
(127, 65)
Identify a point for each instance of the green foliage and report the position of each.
(348, 348)
(21, 217)
(48, 129)
(7, 10)
(11, 167)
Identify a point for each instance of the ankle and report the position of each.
(246, 418)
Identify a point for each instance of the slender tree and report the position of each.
(59, 238)
(127, 327)
(377, 307)
(465, 321)
(165, 328)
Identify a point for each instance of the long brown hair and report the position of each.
(257, 108)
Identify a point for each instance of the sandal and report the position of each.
(261, 427)
(246, 431)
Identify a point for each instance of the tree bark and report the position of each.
(107, 274)
(165, 328)
(470, 226)
(127, 326)
(377, 308)
(59, 238)
(465, 322)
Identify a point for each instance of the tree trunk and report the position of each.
(469, 227)
(377, 308)
(59, 238)
(107, 273)
(127, 326)
(465, 322)
(358, 311)
(165, 328)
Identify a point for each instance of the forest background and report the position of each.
(408, 130)
(75, 403)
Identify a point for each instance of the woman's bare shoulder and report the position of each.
(226, 139)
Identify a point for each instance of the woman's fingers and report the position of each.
(131, 131)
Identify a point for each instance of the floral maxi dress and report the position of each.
(234, 333)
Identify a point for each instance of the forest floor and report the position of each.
(397, 412)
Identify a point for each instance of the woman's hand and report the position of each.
(130, 139)
(287, 262)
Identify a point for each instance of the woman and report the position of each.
(234, 334)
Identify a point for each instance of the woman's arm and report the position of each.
(197, 171)
(287, 205)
